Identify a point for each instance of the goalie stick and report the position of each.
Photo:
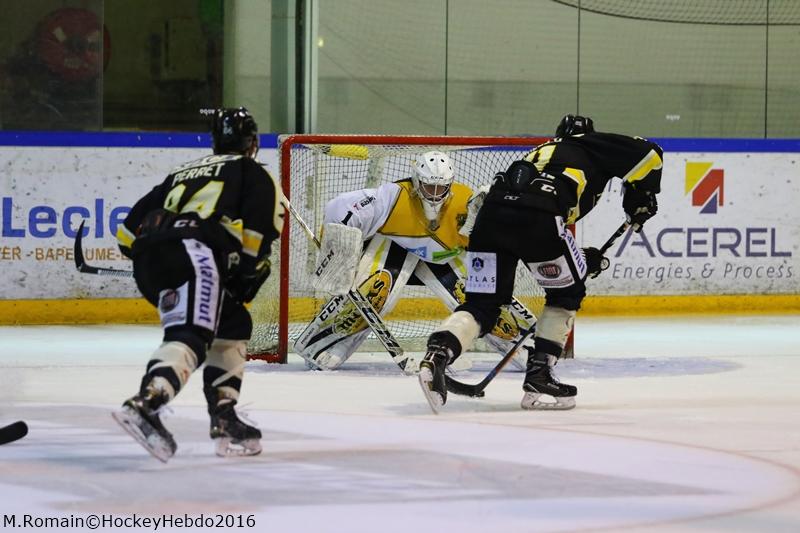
(82, 266)
(476, 390)
(13, 432)
(365, 308)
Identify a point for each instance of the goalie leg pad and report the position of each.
(338, 329)
(333, 357)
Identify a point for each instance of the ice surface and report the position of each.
(682, 424)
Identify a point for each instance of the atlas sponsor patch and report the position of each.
(481, 272)
(553, 274)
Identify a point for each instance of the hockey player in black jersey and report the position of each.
(524, 218)
(200, 243)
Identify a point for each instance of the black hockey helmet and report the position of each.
(519, 176)
(574, 125)
(233, 130)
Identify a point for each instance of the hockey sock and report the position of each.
(553, 329)
(222, 377)
(169, 368)
(463, 326)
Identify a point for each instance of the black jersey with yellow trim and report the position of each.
(587, 162)
(232, 190)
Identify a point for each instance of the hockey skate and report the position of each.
(432, 369)
(539, 381)
(232, 436)
(139, 418)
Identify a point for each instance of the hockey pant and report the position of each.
(182, 280)
(385, 268)
(503, 237)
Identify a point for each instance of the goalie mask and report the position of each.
(432, 179)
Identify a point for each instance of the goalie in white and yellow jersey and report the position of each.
(415, 230)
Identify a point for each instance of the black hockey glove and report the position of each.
(596, 262)
(244, 287)
(639, 206)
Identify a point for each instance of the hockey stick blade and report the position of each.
(13, 432)
(476, 391)
(82, 266)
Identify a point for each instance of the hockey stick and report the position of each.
(476, 391)
(620, 230)
(365, 308)
(82, 266)
(13, 432)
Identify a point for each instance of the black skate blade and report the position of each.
(434, 398)
(13, 432)
(130, 423)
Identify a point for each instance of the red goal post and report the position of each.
(316, 168)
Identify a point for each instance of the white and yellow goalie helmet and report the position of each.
(433, 177)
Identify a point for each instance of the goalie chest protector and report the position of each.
(407, 219)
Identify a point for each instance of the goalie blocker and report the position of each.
(337, 259)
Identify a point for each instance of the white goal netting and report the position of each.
(315, 169)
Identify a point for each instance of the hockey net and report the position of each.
(317, 168)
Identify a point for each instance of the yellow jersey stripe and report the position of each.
(125, 237)
(251, 242)
(579, 178)
(652, 161)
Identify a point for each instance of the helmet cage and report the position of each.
(433, 179)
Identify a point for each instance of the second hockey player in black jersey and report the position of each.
(200, 243)
(524, 218)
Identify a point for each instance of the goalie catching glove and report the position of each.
(339, 254)
(473, 206)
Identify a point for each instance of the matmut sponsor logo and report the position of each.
(706, 185)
